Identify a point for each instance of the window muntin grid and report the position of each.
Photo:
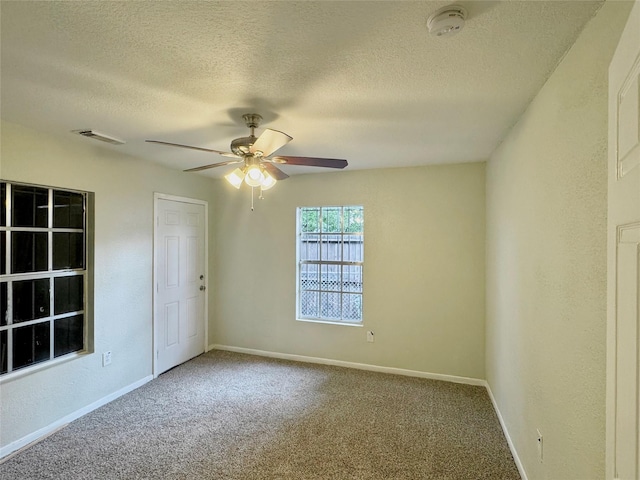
(43, 274)
(330, 263)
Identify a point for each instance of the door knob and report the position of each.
(202, 287)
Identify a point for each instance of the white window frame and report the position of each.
(320, 262)
(49, 274)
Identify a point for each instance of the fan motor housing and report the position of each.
(241, 146)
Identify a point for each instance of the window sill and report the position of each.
(23, 372)
(329, 322)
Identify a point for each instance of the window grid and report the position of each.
(330, 264)
(10, 328)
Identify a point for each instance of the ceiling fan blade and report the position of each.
(311, 161)
(213, 165)
(274, 171)
(226, 154)
(270, 141)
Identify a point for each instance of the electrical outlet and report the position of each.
(369, 336)
(106, 358)
(540, 445)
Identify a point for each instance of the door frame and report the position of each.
(175, 198)
(623, 231)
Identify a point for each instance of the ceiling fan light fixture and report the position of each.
(268, 181)
(254, 176)
(235, 178)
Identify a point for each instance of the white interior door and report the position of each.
(180, 276)
(623, 309)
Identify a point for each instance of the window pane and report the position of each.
(3, 204)
(330, 276)
(309, 304)
(68, 250)
(68, 335)
(352, 307)
(4, 364)
(30, 345)
(3, 253)
(309, 279)
(331, 219)
(352, 278)
(330, 305)
(310, 220)
(4, 308)
(30, 299)
(310, 247)
(352, 248)
(28, 252)
(353, 219)
(67, 294)
(30, 206)
(331, 248)
(67, 210)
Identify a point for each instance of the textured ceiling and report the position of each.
(358, 80)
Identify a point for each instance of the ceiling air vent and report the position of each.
(99, 136)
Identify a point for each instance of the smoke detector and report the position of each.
(446, 21)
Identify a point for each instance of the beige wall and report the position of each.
(423, 274)
(546, 263)
(124, 188)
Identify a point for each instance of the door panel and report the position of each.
(179, 326)
(172, 254)
(628, 119)
(627, 421)
(172, 323)
(192, 260)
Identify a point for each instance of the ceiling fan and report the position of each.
(258, 167)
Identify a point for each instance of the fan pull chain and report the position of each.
(252, 188)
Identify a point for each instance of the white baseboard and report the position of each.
(359, 366)
(58, 424)
(512, 447)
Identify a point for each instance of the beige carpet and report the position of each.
(231, 416)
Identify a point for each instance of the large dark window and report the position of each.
(43, 270)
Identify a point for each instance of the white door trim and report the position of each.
(174, 198)
(623, 258)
